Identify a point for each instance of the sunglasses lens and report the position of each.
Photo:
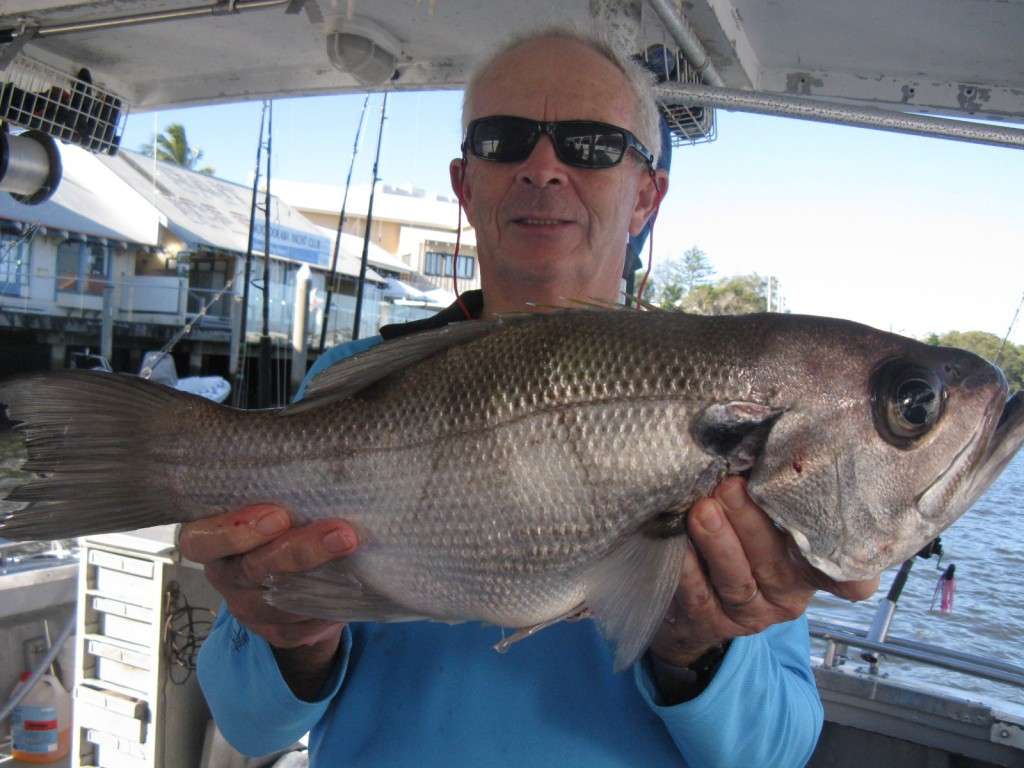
(590, 145)
(505, 139)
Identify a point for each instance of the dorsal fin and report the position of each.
(363, 369)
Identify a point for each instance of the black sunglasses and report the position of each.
(580, 143)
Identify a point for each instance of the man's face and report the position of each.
(550, 229)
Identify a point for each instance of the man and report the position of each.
(726, 680)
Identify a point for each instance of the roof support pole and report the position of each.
(686, 39)
(801, 108)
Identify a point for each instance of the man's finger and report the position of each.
(298, 550)
(232, 533)
(728, 569)
(781, 580)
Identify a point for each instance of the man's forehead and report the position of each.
(554, 79)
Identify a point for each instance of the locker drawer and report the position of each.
(132, 589)
(116, 744)
(124, 610)
(122, 674)
(99, 719)
(112, 701)
(125, 629)
(123, 563)
(136, 656)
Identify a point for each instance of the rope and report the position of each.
(146, 372)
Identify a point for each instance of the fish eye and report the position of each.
(908, 402)
(916, 404)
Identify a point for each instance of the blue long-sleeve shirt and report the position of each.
(430, 694)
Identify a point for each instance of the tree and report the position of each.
(988, 346)
(729, 296)
(675, 279)
(172, 146)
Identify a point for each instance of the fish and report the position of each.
(530, 468)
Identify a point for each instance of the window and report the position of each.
(439, 263)
(82, 267)
(13, 265)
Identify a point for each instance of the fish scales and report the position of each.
(517, 470)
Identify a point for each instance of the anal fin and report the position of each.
(629, 591)
(574, 614)
(333, 593)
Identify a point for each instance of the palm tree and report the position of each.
(172, 146)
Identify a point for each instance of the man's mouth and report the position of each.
(534, 221)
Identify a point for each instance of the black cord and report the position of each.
(185, 630)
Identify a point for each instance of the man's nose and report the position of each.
(542, 168)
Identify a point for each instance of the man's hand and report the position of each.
(241, 549)
(740, 576)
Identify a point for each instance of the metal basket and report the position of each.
(689, 124)
(70, 108)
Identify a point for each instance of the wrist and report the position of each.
(686, 676)
(307, 667)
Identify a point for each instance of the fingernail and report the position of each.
(339, 541)
(733, 496)
(710, 519)
(272, 522)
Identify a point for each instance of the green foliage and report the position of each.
(678, 277)
(729, 296)
(987, 345)
(685, 283)
(172, 147)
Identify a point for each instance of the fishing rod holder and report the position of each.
(70, 108)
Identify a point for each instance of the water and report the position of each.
(987, 545)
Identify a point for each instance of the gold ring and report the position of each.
(748, 601)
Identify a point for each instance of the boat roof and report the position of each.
(952, 57)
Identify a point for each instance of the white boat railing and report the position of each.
(838, 637)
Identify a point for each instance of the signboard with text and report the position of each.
(292, 243)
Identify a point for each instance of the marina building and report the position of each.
(130, 251)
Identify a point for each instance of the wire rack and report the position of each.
(689, 124)
(68, 107)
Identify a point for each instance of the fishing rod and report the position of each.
(1009, 330)
(879, 629)
(341, 223)
(263, 385)
(369, 221)
(240, 372)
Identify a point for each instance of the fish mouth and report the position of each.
(1006, 441)
(983, 459)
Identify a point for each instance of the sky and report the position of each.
(908, 234)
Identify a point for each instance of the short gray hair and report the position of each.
(640, 79)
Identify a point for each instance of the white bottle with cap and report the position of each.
(41, 723)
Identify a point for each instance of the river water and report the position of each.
(987, 545)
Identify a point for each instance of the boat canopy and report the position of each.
(946, 57)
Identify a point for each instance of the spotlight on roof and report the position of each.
(364, 50)
(30, 167)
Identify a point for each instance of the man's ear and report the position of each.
(456, 173)
(651, 192)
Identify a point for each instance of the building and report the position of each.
(415, 228)
(130, 251)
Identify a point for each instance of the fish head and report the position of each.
(864, 469)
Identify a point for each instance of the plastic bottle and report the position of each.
(41, 723)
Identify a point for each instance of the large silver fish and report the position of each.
(515, 471)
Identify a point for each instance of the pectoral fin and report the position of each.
(333, 593)
(629, 591)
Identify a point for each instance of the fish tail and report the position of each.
(95, 440)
